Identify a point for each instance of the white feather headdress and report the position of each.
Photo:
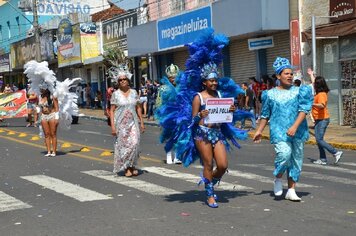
(41, 77)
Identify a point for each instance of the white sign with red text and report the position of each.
(219, 110)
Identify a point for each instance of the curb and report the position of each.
(266, 137)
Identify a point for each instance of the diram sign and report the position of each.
(114, 30)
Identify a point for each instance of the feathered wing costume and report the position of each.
(41, 77)
(175, 115)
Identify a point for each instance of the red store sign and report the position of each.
(295, 43)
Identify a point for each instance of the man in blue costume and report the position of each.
(167, 93)
(285, 107)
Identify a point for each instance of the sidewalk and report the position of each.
(343, 137)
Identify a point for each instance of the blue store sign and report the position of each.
(260, 43)
(182, 29)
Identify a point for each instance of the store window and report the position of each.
(177, 6)
(348, 78)
(330, 71)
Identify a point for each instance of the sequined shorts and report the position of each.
(48, 117)
(210, 135)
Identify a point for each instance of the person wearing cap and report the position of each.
(166, 93)
(286, 107)
(126, 124)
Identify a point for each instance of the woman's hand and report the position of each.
(142, 127)
(113, 131)
(291, 131)
(257, 137)
(204, 113)
(232, 108)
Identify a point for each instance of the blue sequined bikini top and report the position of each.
(202, 102)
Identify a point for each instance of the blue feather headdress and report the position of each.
(175, 115)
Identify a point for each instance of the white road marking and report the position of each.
(333, 168)
(70, 190)
(133, 183)
(314, 175)
(9, 203)
(192, 178)
(260, 178)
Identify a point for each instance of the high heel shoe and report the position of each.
(214, 181)
(209, 189)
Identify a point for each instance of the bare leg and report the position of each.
(220, 159)
(46, 131)
(206, 153)
(53, 124)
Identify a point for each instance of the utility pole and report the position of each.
(37, 31)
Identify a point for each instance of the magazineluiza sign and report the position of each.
(115, 30)
(182, 29)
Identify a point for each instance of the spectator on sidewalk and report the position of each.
(32, 101)
(285, 107)
(151, 99)
(7, 89)
(98, 99)
(247, 103)
(142, 93)
(322, 119)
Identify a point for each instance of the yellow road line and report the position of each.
(75, 154)
(61, 141)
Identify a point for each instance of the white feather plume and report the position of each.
(41, 76)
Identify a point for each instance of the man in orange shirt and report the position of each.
(322, 119)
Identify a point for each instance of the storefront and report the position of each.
(234, 18)
(336, 58)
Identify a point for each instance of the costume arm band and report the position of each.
(197, 118)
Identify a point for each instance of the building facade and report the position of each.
(258, 31)
(335, 52)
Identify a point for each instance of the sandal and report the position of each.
(134, 171)
(128, 172)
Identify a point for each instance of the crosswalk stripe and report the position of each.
(333, 168)
(191, 178)
(347, 164)
(133, 183)
(70, 190)
(259, 178)
(312, 175)
(9, 203)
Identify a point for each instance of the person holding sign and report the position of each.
(285, 107)
(199, 122)
(209, 139)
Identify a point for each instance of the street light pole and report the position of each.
(37, 31)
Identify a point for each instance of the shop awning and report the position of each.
(331, 30)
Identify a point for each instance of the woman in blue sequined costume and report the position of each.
(285, 107)
(181, 119)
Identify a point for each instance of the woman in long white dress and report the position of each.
(126, 125)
